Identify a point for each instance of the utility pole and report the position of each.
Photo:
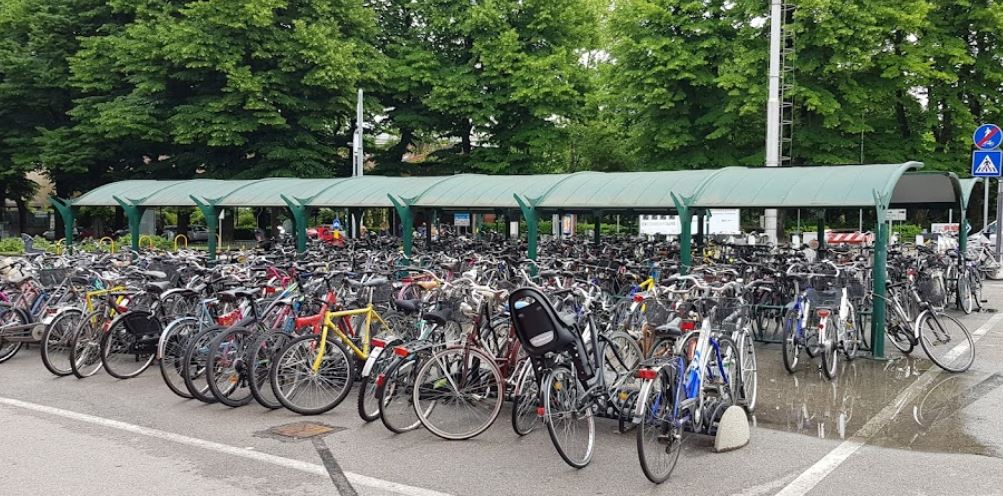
(773, 107)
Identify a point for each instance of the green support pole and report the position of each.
(134, 214)
(529, 213)
(211, 214)
(65, 210)
(597, 232)
(880, 278)
(700, 228)
(299, 213)
(820, 215)
(685, 234)
(407, 225)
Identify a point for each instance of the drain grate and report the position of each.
(300, 430)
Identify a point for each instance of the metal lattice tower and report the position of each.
(787, 40)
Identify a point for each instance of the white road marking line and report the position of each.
(310, 468)
(822, 468)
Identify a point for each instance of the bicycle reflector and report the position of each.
(646, 374)
(377, 343)
(401, 351)
(638, 297)
(687, 325)
(380, 379)
(823, 312)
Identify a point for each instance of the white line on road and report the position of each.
(310, 468)
(822, 468)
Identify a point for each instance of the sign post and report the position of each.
(987, 162)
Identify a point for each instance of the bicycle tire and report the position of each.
(226, 367)
(56, 342)
(965, 296)
(563, 380)
(395, 396)
(791, 348)
(900, 337)
(659, 432)
(525, 417)
(194, 365)
(85, 346)
(463, 382)
(827, 358)
(260, 357)
(171, 349)
(749, 391)
(297, 358)
(946, 362)
(119, 340)
(10, 348)
(368, 402)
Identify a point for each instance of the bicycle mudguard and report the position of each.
(374, 356)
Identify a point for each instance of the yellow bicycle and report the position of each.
(60, 332)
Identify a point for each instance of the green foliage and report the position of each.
(246, 219)
(11, 246)
(907, 232)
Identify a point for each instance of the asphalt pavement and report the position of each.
(894, 426)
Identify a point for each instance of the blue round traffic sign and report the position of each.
(988, 137)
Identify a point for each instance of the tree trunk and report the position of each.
(184, 221)
(22, 216)
(229, 221)
(466, 145)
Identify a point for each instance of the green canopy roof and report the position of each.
(851, 186)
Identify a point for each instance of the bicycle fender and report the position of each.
(374, 356)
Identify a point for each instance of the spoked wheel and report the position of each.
(851, 337)
(311, 376)
(899, 331)
(368, 402)
(85, 347)
(395, 394)
(129, 346)
(260, 357)
(660, 433)
(173, 344)
(568, 417)
(791, 344)
(194, 364)
(828, 340)
(226, 367)
(526, 401)
(966, 299)
(747, 394)
(10, 317)
(458, 393)
(56, 341)
(946, 341)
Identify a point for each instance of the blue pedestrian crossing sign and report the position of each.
(987, 163)
(988, 137)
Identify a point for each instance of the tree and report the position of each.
(231, 88)
(499, 80)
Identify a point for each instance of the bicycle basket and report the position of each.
(929, 291)
(657, 312)
(383, 293)
(729, 314)
(51, 278)
(170, 269)
(824, 299)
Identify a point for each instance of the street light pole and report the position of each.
(773, 109)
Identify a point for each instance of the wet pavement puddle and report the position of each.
(806, 403)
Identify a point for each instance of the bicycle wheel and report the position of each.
(308, 390)
(966, 299)
(946, 341)
(85, 347)
(226, 367)
(622, 357)
(172, 347)
(193, 368)
(791, 345)
(10, 317)
(850, 336)
(660, 432)
(56, 341)
(568, 418)
(458, 393)
(128, 348)
(260, 357)
(526, 401)
(828, 340)
(899, 329)
(395, 394)
(748, 392)
(368, 402)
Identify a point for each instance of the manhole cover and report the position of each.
(300, 430)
